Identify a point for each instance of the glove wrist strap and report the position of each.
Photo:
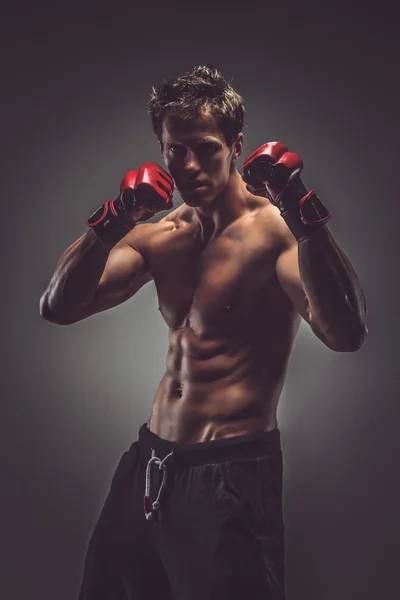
(306, 216)
(111, 222)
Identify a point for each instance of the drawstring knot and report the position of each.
(162, 466)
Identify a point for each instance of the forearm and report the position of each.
(336, 301)
(76, 277)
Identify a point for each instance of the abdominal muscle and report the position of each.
(215, 388)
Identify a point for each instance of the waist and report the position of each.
(241, 447)
(224, 413)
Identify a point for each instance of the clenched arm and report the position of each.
(90, 277)
(324, 287)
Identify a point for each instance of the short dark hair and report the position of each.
(188, 96)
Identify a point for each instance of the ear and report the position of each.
(237, 147)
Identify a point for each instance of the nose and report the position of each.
(191, 163)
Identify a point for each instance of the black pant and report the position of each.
(218, 532)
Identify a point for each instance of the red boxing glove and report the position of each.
(270, 168)
(150, 187)
(273, 171)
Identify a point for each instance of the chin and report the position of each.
(201, 199)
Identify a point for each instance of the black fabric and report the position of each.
(219, 532)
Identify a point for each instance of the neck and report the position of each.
(228, 206)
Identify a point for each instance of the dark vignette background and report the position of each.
(73, 120)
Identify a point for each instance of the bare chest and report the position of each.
(206, 286)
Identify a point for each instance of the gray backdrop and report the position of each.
(75, 87)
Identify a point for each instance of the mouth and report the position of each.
(194, 187)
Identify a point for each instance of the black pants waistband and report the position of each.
(215, 451)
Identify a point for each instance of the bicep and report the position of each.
(125, 272)
(288, 273)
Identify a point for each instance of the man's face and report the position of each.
(195, 152)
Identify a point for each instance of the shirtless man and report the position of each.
(233, 280)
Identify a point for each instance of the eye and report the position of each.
(176, 149)
(208, 148)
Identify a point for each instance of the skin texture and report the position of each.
(232, 282)
(231, 325)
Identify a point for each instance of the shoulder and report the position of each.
(268, 219)
(145, 235)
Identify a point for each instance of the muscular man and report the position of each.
(236, 267)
